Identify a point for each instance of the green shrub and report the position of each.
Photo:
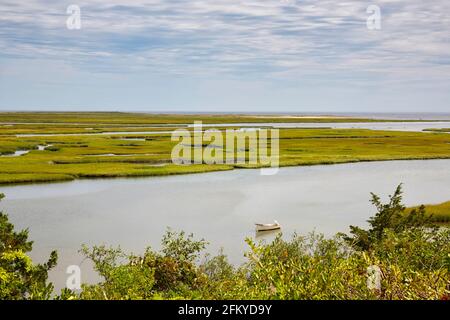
(52, 148)
(19, 277)
(169, 273)
(390, 216)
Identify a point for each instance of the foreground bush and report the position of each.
(169, 274)
(19, 277)
(414, 265)
(413, 258)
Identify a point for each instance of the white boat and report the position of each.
(267, 226)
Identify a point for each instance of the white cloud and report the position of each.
(266, 38)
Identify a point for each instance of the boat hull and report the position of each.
(267, 228)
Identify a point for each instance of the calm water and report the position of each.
(221, 207)
(391, 126)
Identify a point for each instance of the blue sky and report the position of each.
(225, 55)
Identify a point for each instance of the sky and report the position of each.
(225, 56)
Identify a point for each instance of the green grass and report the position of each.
(120, 118)
(440, 213)
(75, 129)
(437, 130)
(82, 156)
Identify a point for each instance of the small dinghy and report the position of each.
(267, 226)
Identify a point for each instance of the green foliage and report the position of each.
(415, 264)
(169, 273)
(438, 213)
(217, 268)
(389, 216)
(19, 277)
(124, 277)
(181, 247)
(52, 148)
(303, 268)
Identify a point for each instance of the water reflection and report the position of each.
(267, 236)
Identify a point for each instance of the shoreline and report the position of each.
(229, 168)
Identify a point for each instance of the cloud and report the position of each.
(262, 35)
(267, 40)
